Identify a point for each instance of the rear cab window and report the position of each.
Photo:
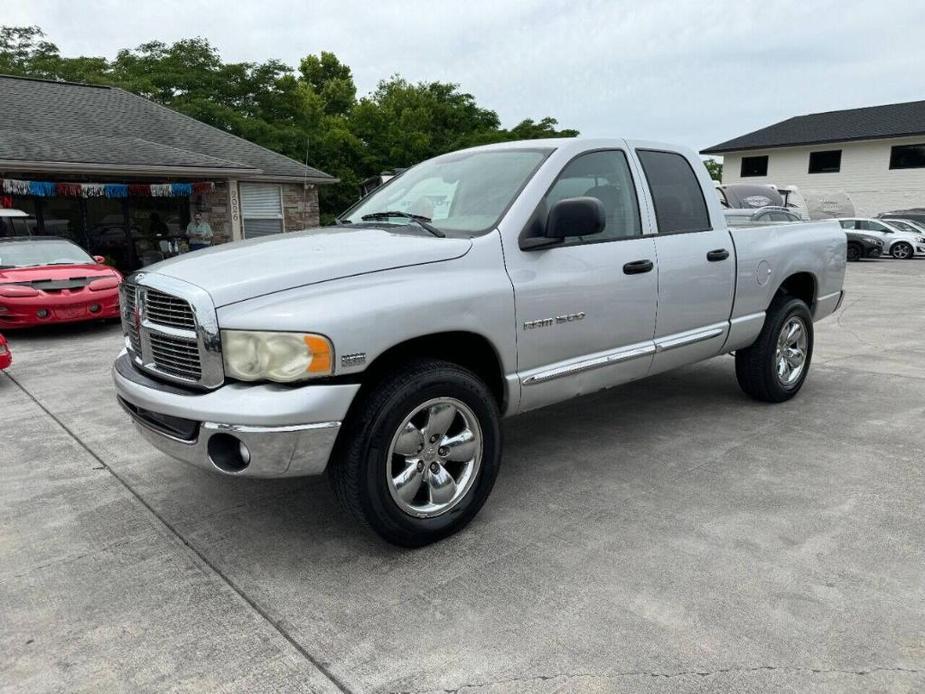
(676, 192)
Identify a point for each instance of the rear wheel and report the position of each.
(774, 368)
(854, 251)
(901, 250)
(420, 453)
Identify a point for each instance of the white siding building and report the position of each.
(875, 154)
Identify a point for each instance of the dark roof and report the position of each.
(870, 123)
(81, 124)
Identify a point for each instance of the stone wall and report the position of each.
(214, 209)
(300, 206)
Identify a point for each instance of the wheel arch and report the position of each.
(802, 285)
(468, 349)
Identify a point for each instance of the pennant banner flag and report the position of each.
(47, 189)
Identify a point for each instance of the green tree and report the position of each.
(331, 80)
(714, 168)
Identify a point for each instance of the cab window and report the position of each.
(676, 192)
(606, 176)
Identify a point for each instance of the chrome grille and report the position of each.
(176, 356)
(128, 296)
(165, 309)
(171, 330)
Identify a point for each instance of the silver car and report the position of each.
(898, 243)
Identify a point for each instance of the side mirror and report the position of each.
(567, 218)
(100, 260)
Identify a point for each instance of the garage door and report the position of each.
(261, 209)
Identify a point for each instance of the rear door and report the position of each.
(696, 262)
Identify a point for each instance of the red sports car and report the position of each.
(6, 358)
(44, 279)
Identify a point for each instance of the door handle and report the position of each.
(637, 267)
(717, 255)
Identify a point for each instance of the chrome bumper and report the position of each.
(241, 430)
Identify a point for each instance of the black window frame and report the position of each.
(532, 224)
(824, 169)
(706, 207)
(742, 172)
(895, 151)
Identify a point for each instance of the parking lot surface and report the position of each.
(668, 536)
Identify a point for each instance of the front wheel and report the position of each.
(774, 368)
(901, 250)
(420, 453)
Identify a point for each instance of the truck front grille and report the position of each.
(165, 309)
(163, 322)
(128, 295)
(176, 356)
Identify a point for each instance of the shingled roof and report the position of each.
(870, 123)
(65, 126)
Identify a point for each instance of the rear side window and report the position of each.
(676, 192)
(847, 224)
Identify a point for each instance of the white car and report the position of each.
(896, 242)
(909, 225)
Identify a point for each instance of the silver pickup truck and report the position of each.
(477, 285)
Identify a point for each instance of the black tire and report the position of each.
(358, 472)
(756, 366)
(855, 252)
(902, 251)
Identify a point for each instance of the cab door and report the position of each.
(585, 308)
(696, 263)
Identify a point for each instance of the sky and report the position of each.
(692, 73)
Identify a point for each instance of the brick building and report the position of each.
(122, 176)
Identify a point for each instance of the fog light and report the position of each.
(95, 308)
(42, 313)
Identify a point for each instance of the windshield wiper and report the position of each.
(418, 219)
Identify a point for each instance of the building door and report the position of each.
(261, 209)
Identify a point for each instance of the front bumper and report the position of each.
(83, 305)
(244, 430)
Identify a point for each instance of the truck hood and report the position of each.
(246, 269)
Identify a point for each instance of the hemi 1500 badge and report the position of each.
(547, 322)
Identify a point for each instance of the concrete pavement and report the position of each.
(667, 536)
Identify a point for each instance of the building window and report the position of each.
(907, 157)
(825, 162)
(754, 166)
(261, 209)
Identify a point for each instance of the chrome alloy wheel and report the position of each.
(792, 344)
(901, 251)
(434, 457)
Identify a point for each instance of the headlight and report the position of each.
(280, 357)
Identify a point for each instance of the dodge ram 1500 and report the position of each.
(480, 284)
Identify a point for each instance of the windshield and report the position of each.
(460, 194)
(902, 226)
(29, 253)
